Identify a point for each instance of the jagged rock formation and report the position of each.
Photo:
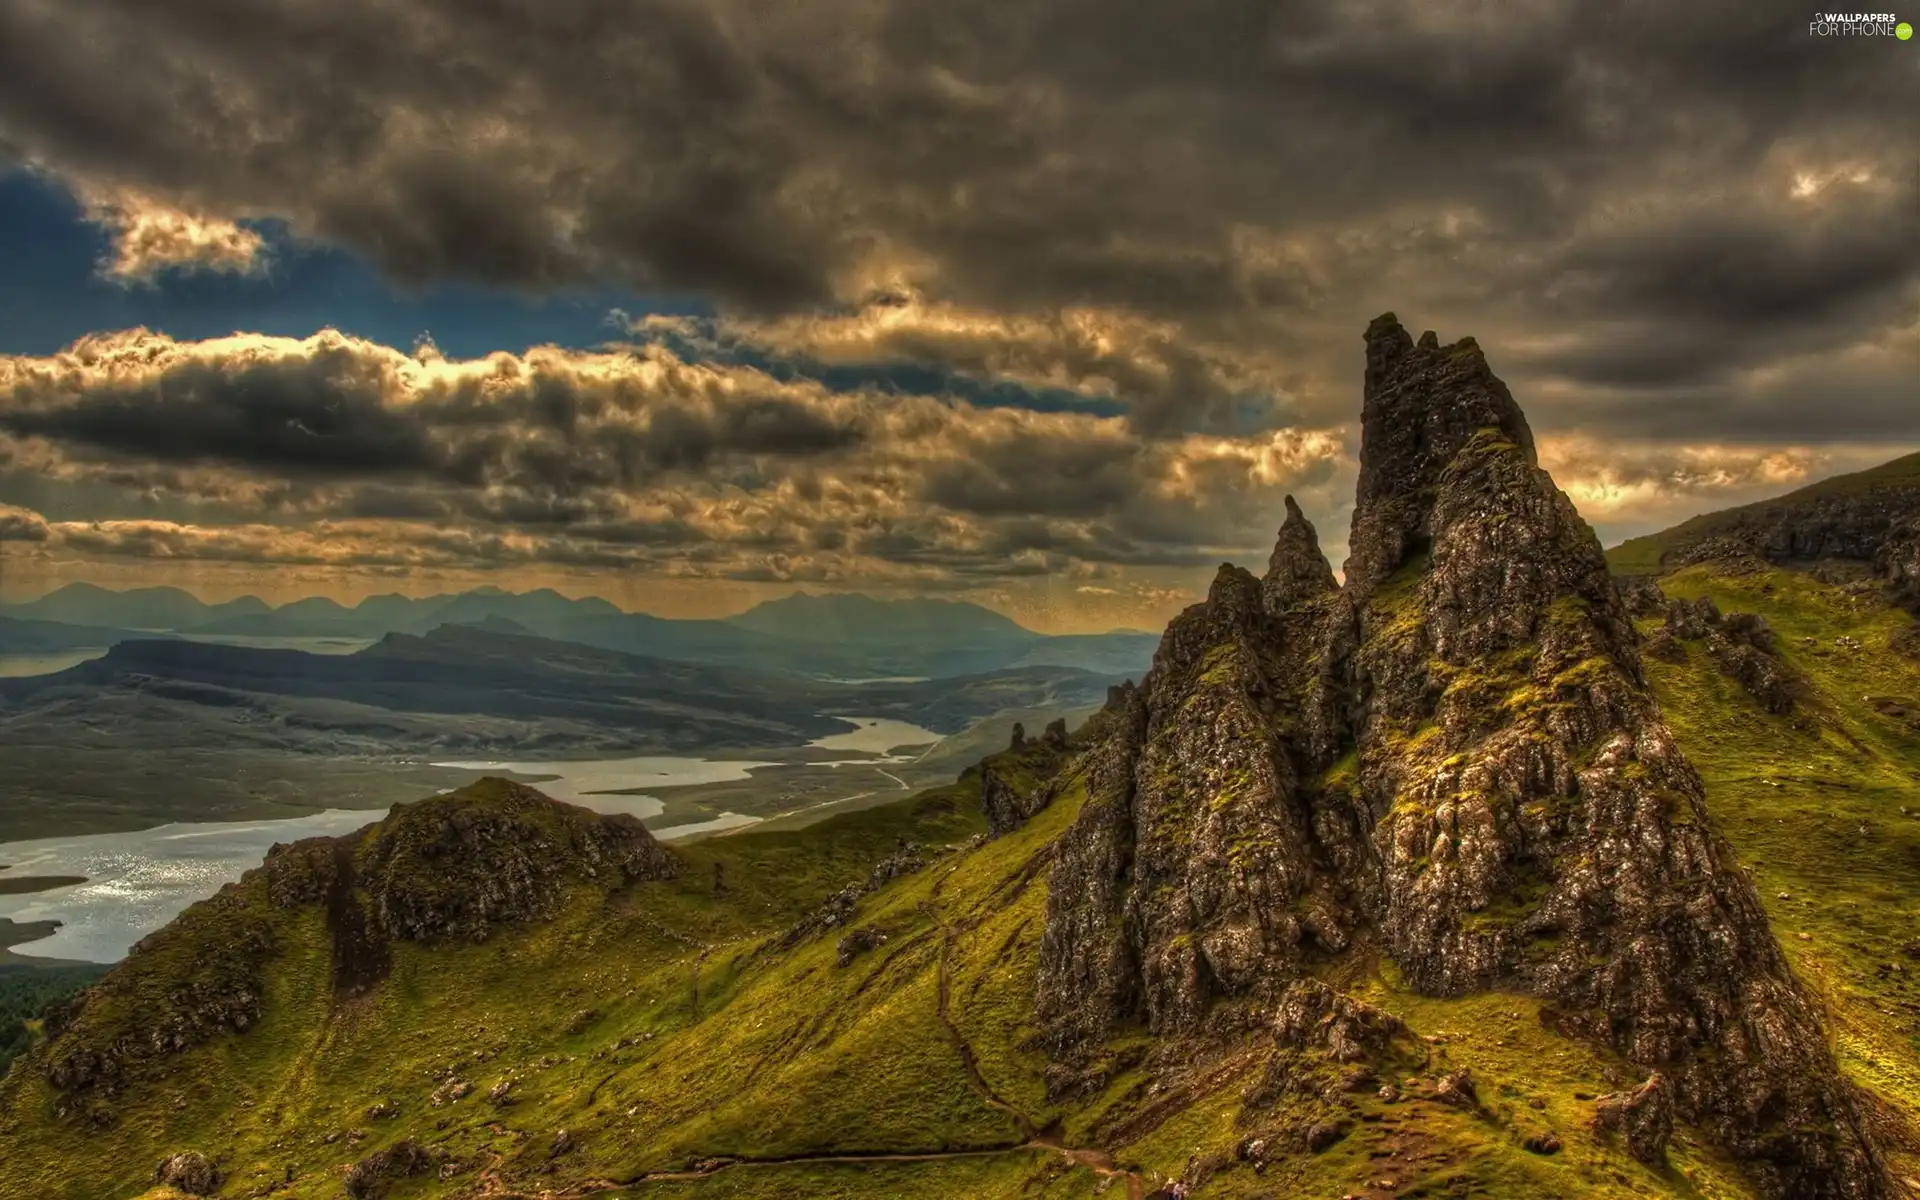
(1742, 646)
(452, 867)
(1455, 758)
(1297, 570)
(1018, 783)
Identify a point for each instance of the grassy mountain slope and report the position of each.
(691, 1046)
(1898, 480)
(1823, 807)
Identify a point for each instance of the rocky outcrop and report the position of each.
(453, 867)
(1851, 518)
(448, 869)
(1641, 594)
(1018, 783)
(1898, 561)
(1643, 1116)
(838, 910)
(1742, 645)
(1297, 570)
(1455, 757)
(372, 1176)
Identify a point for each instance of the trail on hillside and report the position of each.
(1098, 1161)
(1031, 1136)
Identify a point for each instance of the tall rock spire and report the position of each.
(1455, 759)
(1424, 402)
(1298, 570)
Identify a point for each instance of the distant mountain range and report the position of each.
(830, 637)
(393, 695)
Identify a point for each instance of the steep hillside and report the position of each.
(1847, 517)
(1461, 880)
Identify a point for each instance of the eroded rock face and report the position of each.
(1644, 1116)
(1854, 525)
(1457, 756)
(1898, 561)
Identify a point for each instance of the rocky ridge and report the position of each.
(1870, 521)
(1453, 761)
(452, 867)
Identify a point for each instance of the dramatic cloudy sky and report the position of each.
(1042, 302)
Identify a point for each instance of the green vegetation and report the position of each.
(26, 993)
(698, 1039)
(1828, 816)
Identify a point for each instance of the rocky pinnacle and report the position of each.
(1298, 570)
(1454, 758)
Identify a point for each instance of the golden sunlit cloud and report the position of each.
(150, 236)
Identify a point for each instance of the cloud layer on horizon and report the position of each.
(335, 452)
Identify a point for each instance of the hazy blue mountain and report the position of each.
(842, 636)
(136, 609)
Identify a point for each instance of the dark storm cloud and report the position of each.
(321, 413)
(334, 408)
(1266, 174)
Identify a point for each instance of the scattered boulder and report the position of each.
(1542, 1143)
(857, 943)
(500, 1095)
(384, 1110)
(1323, 1135)
(563, 1143)
(1457, 1089)
(188, 1171)
(450, 1091)
(582, 1021)
(369, 1178)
